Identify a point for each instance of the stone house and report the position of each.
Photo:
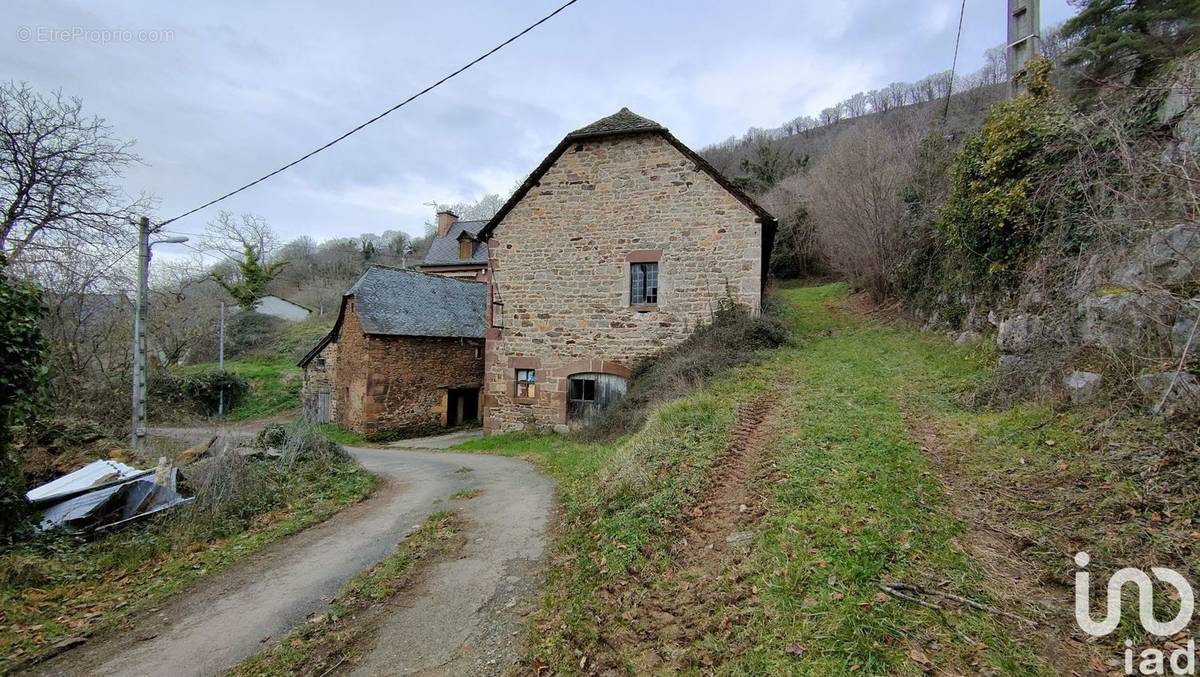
(456, 250)
(619, 244)
(405, 355)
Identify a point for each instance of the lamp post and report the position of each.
(138, 433)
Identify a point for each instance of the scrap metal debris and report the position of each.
(105, 495)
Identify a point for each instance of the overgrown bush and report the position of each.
(21, 375)
(231, 489)
(992, 219)
(856, 193)
(201, 392)
(249, 333)
(734, 337)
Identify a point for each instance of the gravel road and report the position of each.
(462, 617)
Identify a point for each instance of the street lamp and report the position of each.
(138, 434)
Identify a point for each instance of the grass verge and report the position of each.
(332, 639)
(55, 588)
(882, 470)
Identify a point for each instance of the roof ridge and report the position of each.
(414, 271)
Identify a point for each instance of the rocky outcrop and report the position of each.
(1083, 386)
(1125, 321)
(1170, 393)
(1167, 258)
(1019, 334)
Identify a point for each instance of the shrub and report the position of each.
(856, 191)
(201, 391)
(991, 219)
(21, 375)
(249, 333)
(734, 337)
(232, 489)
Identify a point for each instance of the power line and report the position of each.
(954, 64)
(375, 119)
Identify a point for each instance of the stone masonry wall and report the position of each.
(560, 265)
(399, 383)
(317, 377)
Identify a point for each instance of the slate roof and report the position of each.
(443, 251)
(623, 121)
(398, 302)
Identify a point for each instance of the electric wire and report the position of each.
(375, 119)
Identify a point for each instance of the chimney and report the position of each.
(445, 219)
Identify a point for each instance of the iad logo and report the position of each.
(1153, 661)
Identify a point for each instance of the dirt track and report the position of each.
(462, 617)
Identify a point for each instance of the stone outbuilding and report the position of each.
(619, 244)
(405, 355)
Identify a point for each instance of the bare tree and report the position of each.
(483, 208)
(831, 115)
(995, 66)
(855, 196)
(900, 94)
(857, 105)
(880, 99)
(232, 235)
(57, 176)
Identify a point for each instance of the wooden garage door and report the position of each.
(589, 394)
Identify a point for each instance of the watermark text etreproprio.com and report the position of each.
(102, 36)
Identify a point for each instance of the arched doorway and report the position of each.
(590, 393)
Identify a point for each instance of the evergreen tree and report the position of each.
(253, 276)
(1131, 37)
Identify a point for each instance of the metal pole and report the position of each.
(138, 434)
(221, 360)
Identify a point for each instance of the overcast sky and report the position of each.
(217, 93)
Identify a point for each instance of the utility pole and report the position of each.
(1024, 39)
(138, 434)
(221, 359)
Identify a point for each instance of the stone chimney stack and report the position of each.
(445, 219)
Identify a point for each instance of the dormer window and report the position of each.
(466, 247)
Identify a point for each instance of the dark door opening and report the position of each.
(462, 406)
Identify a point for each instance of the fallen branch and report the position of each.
(907, 591)
(937, 608)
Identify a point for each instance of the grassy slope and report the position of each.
(856, 503)
(51, 590)
(274, 386)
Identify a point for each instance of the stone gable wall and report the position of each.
(560, 264)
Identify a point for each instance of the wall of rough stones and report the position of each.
(320, 375)
(398, 384)
(560, 265)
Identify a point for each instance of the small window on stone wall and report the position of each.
(643, 284)
(319, 363)
(526, 382)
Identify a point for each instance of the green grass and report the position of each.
(853, 502)
(344, 437)
(274, 386)
(323, 644)
(56, 588)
